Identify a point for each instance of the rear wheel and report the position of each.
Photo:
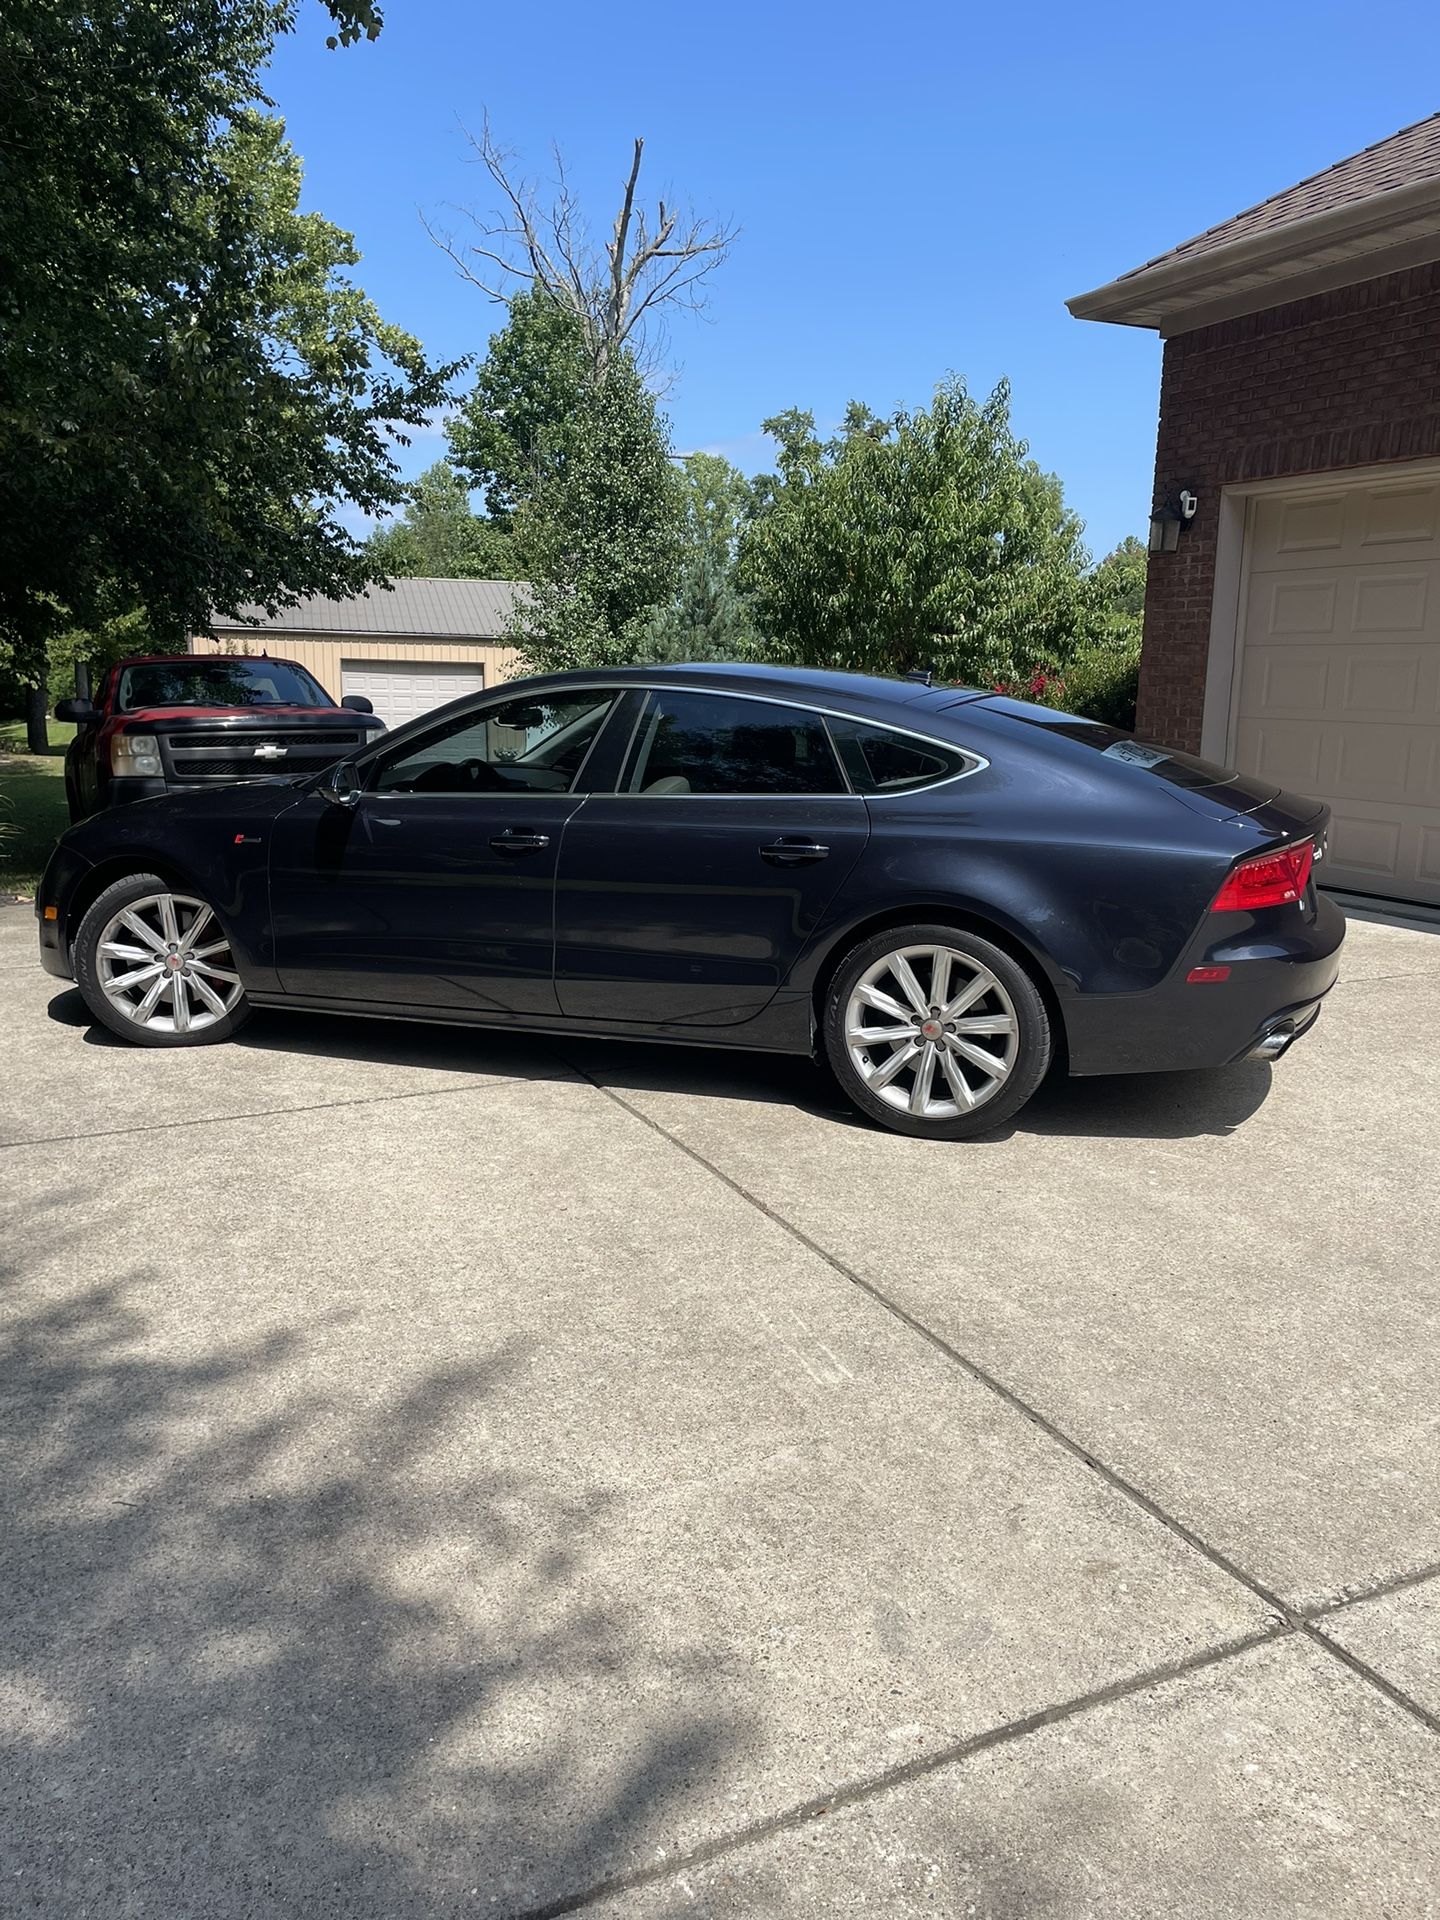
(155, 966)
(936, 1032)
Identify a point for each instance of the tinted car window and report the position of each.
(710, 743)
(524, 746)
(879, 761)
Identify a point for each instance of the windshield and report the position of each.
(218, 683)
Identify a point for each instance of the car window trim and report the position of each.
(615, 697)
(978, 761)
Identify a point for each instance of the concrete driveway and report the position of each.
(441, 1474)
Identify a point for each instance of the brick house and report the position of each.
(1292, 625)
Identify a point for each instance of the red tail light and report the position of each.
(1267, 880)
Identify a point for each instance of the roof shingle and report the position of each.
(1408, 156)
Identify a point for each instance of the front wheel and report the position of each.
(936, 1032)
(154, 965)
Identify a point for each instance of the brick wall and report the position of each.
(1343, 379)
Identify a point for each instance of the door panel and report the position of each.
(690, 909)
(428, 900)
(437, 887)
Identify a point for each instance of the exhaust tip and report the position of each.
(1272, 1044)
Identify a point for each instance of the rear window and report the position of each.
(879, 761)
(217, 683)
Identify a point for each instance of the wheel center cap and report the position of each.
(174, 961)
(931, 1029)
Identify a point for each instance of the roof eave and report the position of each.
(1399, 227)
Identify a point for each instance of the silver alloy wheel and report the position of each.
(163, 963)
(931, 1031)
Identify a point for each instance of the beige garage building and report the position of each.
(407, 648)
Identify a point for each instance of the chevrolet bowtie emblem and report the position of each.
(269, 752)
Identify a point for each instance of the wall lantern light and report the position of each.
(1172, 513)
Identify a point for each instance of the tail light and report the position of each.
(1266, 880)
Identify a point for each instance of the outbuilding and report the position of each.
(408, 647)
(1292, 611)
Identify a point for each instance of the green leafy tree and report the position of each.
(927, 539)
(599, 542)
(190, 384)
(439, 535)
(508, 435)
(708, 617)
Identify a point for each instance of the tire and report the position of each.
(126, 968)
(932, 1079)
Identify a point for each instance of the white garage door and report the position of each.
(1339, 671)
(402, 690)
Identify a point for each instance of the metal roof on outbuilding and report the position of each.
(417, 609)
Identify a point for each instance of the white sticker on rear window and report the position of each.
(1134, 755)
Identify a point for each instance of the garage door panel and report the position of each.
(403, 690)
(1401, 515)
(1287, 752)
(1382, 681)
(1338, 671)
(1387, 602)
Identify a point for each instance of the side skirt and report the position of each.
(783, 1026)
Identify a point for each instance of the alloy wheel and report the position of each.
(931, 1031)
(165, 965)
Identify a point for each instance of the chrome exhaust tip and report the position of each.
(1275, 1042)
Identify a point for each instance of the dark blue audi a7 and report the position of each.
(945, 892)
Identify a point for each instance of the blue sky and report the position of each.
(919, 187)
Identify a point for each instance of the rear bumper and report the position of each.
(1282, 964)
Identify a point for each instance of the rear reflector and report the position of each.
(1202, 976)
(1267, 880)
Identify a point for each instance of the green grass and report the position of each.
(32, 804)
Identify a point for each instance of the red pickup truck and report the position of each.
(169, 723)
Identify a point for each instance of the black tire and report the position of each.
(997, 1098)
(88, 965)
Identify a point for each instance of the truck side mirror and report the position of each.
(82, 713)
(357, 703)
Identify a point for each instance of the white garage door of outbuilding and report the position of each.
(1336, 683)
(401, 690)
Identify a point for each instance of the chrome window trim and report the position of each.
(978, 761)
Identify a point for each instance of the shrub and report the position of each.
(1099, 683)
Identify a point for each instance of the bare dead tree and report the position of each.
(652, 261)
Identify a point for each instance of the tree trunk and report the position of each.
(36, 733)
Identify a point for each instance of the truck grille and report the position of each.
(241, 755)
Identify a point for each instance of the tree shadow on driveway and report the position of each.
(1135, 1106)
(260, 1654)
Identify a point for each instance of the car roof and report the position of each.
(206, 659)
(816, 684)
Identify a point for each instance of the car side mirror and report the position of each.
(340, 785)
(81, 713)
(357, 703)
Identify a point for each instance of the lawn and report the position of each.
(32, 804)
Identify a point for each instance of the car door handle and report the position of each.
(793, 853)
(512, 841)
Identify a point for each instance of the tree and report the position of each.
(650, 263)
(439, 536)
(708, 617)
(508, 434)
(929, 539)
(599, 541)
(189, 383)
(1119, 582)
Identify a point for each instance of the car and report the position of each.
(173, 722)
(946, 893)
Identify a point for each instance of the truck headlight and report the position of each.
(135, 753)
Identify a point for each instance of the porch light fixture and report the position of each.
(1172, 513)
